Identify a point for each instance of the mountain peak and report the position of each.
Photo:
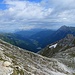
(63, 27)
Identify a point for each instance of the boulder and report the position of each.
(6, 63)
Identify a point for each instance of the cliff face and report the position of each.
(16, 61)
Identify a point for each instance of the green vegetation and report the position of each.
(73, 73)
(14, 62)
(74, 42)
(17, 71)
(13, 57)
(1, 59)
(9, 55)
(72, 54)
(35, 42)
(17, 40)
(48, 52)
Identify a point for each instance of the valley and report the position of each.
(36, 39)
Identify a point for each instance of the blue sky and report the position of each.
(30, 14)
(3, 6)
(34, 0)
(1, 1)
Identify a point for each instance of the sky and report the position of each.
(30, 14)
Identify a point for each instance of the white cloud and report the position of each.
(21, 13)
(27, 10)
(27, 27)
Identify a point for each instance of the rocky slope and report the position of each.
(59, 46)
(62, 50)
(16, 61)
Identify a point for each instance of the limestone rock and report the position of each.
(6, 63)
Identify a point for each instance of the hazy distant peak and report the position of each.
(63, 27)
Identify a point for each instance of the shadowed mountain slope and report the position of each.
(60, 34)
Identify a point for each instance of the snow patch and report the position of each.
(53, 46)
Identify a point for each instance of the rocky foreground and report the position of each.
(16, 61)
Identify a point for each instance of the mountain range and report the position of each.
(44, 37)
(57, 58)
(17, 61)
(49, 37)
(23, 38)
(36, 39)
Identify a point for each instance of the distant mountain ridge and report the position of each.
(18, 41)
(47, 37)
(60, 33)
(36, 39)
(27, 33)
(41, 36)
(22, 38)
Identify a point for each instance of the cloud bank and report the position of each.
(25, 14)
